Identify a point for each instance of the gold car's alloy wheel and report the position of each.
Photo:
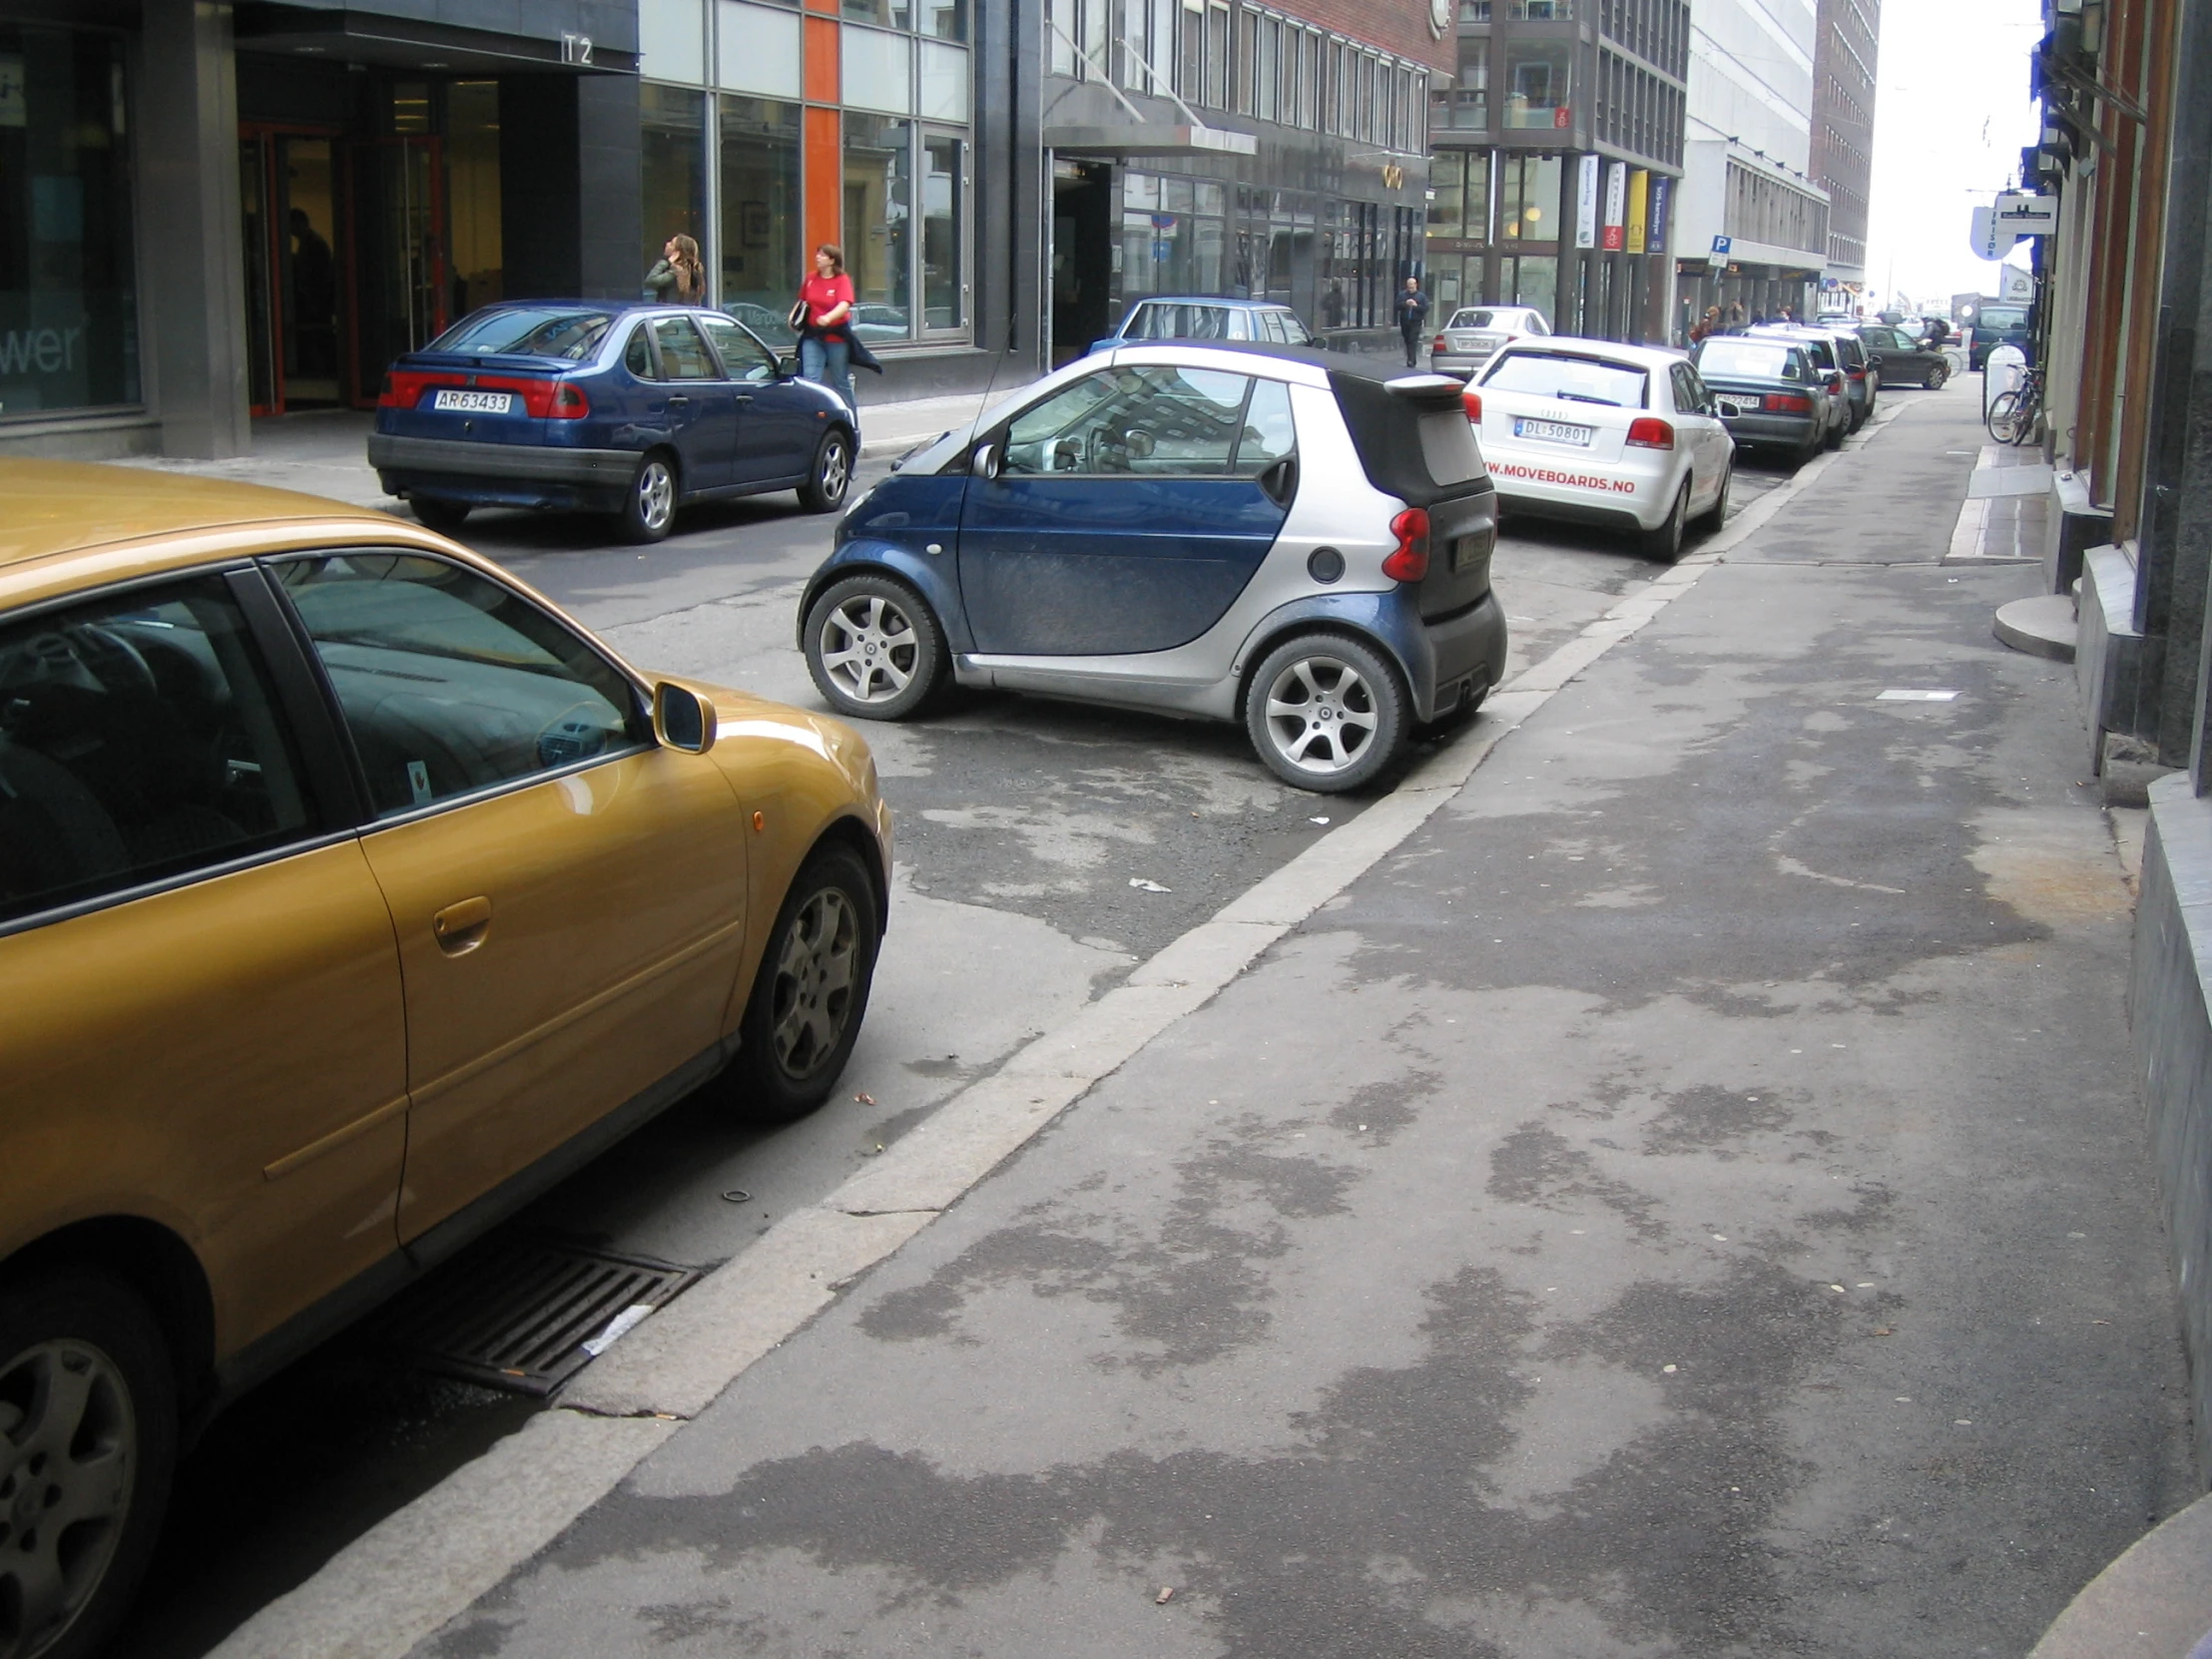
(815, 976)
(869, 647)
(68, 1464)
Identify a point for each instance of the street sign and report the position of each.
(2025, 214)
(1718, 258)
(1987, 240)
(2016, 284)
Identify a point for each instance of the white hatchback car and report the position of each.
(1603, 433)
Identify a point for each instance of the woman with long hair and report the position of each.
(823, 319)
(679, 279)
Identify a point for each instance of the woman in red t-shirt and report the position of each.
(826, 328)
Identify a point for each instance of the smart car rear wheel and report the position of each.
(649, 508)
(811, 990)
(88, 1441)
(873, 648)
(825, 486)
(1326, 713)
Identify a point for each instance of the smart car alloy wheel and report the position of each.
(874, 649)
(650, 508)
(1325, 713)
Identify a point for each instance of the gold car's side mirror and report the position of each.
(682, 718)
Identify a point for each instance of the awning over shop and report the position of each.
(1113, 143)
(355, 35)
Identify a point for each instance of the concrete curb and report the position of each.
(676, 1363)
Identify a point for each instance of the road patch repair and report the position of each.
(417, 1570)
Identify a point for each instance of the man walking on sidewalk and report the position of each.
(1413, 311)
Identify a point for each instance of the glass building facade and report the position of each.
(1557, 158)
(767, 131)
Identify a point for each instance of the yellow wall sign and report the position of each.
(1639, 202)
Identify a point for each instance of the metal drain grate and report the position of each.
(528, 1314)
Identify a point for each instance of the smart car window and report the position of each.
(683, 354)
(138, 741)
(529, 332)
(1155, 419)
(1269, 434)
(742, 356)
(1756, 358)
(1572, 378)
(451, 683)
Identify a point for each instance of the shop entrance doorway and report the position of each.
(1082, 258)
(404, 295)
(288, 191)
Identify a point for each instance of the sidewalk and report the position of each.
(325, 452)
(1685, 1198)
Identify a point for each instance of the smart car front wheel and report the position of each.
(874, 650)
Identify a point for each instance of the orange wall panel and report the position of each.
(825, 162)
(822, 79)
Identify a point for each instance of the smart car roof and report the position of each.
(53, 507)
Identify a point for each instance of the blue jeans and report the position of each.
(828, 360)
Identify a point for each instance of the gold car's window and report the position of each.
(451, 683)
(138, 741)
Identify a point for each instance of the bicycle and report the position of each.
(2017, 415)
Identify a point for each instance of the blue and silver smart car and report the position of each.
(633, 409)
(1297, 541)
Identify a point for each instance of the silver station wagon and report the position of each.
(1297, 541)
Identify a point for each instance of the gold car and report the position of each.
(350, 896)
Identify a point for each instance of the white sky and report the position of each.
(1951, 112)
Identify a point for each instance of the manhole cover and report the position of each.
(528, 1314)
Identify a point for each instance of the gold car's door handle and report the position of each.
(460, 928)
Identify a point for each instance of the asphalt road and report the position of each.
(1021, 825)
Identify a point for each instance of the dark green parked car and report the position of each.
(1901, 360)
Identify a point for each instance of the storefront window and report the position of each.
(472, 192)
(761, 259)
(1535, 282)
(673, 170)
(67, 305)
(1528, 197)
(878, 207)
(1536, 83)
(943, 182)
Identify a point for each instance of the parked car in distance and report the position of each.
(634, 409)
(1260, 321)
(1618, 435)
(350, 896)
(772, 326)
(1289, 539)
(1903, 360)
(1770, 394)
(1845, 351)
(1992, 326)
(1474, 335)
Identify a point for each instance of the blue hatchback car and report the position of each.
(606, 406)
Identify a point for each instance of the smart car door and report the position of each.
(203, 1021)
(1124, 512)
(699, 406)
(568, 896)
(779, 419)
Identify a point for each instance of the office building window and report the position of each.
(943, 219)
(1536, 83)
(760, 255)
(673, 167)
(878, 250)
(67, 300)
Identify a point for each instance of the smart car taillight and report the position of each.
(1409, 561)
(1474, 400)
(1650, 432)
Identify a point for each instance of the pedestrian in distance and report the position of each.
(1734, 316)
(823, 317)
(679, 278)
(1413, 311)
(1707, 325)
